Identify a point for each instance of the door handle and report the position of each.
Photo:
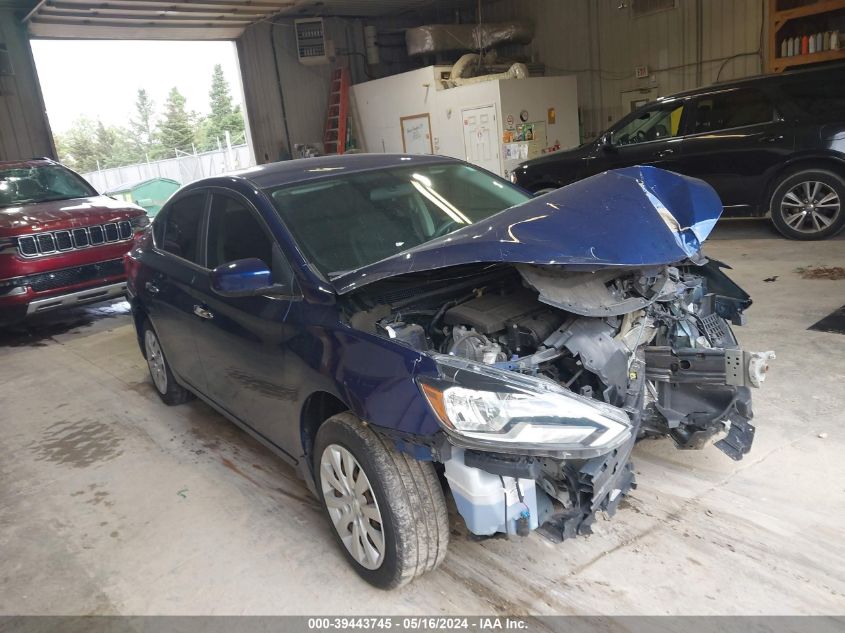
(151, 288)
(665, 152)
(771, 139)
(203, 313)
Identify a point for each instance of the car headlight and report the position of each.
(512, 176)
(481, 406)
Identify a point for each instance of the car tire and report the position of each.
(809, 205)
(170, 392)
(398, 506)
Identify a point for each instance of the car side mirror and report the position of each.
(242, 278)
(605, 142)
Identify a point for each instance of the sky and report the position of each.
(100, 79)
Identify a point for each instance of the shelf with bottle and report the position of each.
(809, 44)
(805, 32)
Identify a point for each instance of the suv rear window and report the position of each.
(818, 99)
(730, 109)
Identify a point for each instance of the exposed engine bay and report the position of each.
(655, 343)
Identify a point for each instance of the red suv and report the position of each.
(61, 243)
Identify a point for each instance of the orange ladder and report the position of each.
(334, 139)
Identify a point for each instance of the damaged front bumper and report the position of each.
(497, 493)
(691, 394)
(698, 393)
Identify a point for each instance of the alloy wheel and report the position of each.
(352, 506)
(155, 361)
(810, 207)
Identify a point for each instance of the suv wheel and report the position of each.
(808, 205)
(166, 386)
(387, 509)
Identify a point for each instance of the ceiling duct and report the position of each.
(461, 72)
(440, 38)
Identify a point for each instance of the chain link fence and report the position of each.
(184, 168)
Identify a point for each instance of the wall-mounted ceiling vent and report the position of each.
(647, 7)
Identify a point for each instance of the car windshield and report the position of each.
(349, 221)
(26, 185)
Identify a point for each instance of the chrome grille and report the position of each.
(62, 241)
(27, 246)
(80, 238)
(46, 243)
(96, 235)
(110, 230)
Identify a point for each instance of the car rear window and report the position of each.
(730, 109)
(818, 99)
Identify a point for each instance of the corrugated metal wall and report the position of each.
(24, 131)
(684, 47)
(305, 89)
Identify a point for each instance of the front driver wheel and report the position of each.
(387, 509)
(170, 392)
(807, 205)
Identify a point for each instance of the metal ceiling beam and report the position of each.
(69, 8)
(189, 19)
(123, 33)
(262, 6)
(151, 22)
(149, 19)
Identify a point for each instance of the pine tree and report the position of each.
(78, 147)
(89, 144)
(142, 126)
(176, 130)
(221, 99)
(224, 115)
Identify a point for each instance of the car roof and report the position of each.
(757, 80)
(31, 162)
(306, 169)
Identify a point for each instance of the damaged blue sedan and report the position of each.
(397, 325)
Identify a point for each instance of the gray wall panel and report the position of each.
(24, 130)
(305, 88)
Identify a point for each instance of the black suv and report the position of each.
(772, 144)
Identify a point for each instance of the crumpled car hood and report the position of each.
(632, 217)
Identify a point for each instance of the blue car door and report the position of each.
(244, 341)
(167, 288)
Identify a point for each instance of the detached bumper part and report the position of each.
(597, 485)
(703, 392)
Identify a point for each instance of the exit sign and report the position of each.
(641, 72)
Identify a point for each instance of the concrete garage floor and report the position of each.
(112, 503)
